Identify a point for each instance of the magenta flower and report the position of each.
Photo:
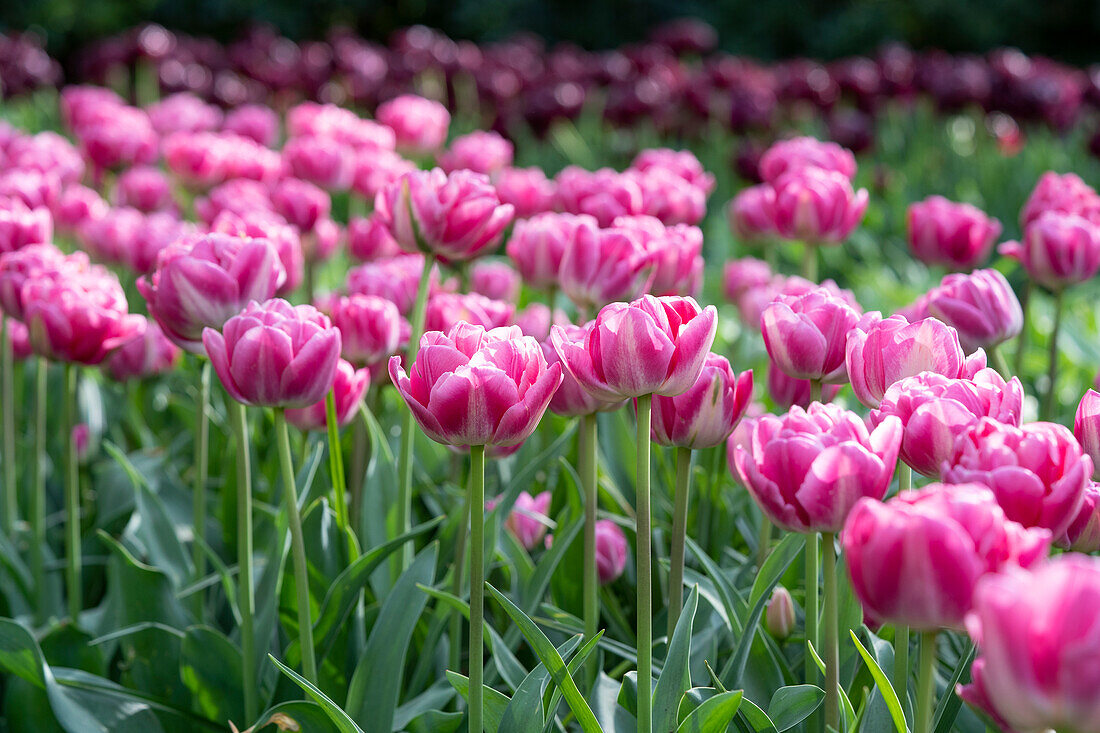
(370, 327)
(349, 385)
(652, 346)
(75, 206)
(604, 194)
(457, 216)
(805, 334)
(1037, 636)
(745, 274)
(254, 121)
(396, 279)
(263, 224)
(147, 353)
(28, 263)
(538, 244)
(145, 188)
(36, 190)
(527, 520)
(446, 309)
(471, 386)
(320, 160)
(480, 151)
(184, 112)
(376, 170)
(571, 399)
(199, 159)
(419, 124)
(528, 190)
(981, 306)
(808, 468)
(611, 551)
(494, 279)
(801, 153)
(1065, 194)
(937, 544)
(669, 198)
(750, 212)
(1037, 470)
(1086, 423)
(239, 196)
(786, 392)
(1083, 533)
(274, 354)
(21, 225)
(705, 415)
(676, 252)
(958, 236)
(301, 203)
(369, 239)
(18, 339)
(817, 206)
(119, 137)
(601, 266)
(1057, 250)
(935, 410)
(681, 163)
(202, 282)
(48, 153)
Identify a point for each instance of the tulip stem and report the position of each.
(38, 491)
(815, 390)
(198, 496)
(927, 691)
(832, 647)
(679, 532)
(1052, 366)
(477, 583)
(72, 499)
(765, 541)
(1021, 340)
(297, 548)
(811, 603)
(246, 600)
(336, 470)
(809, 262)
(7, 374)
(644, 569)
(901, 662)
(404, 500)
(589, 458)
(999, 362)
(456, 584)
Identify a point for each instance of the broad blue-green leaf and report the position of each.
(791, 705)
(299, 716)
(494, 703)
(612, 716)
(572, 668)
(948, 709)
(884, 686)
(714, 715)
(210, 666)
(342, 721)
(675, 678)
(524, 711)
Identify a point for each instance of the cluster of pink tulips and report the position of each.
(214, 223)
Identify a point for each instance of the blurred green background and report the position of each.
(1063, 29)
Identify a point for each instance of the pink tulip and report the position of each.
(198, 159)
(349, 385)
(1083, 533)
(376, 170)
(35, 190)
(681, 163)
(254, 121)
(528, 190)
(1066, 194)
(1037, 470)
(916, 559)
(184, 111)
(145, 188)
(536, 319)
(601, 266)
(611, 551)
(981, 306)
(122, 138)
(457, 216)
(959, 236)
(800, 153)
(1057, 250)
(527, 520)
(787, 392)
(301, 203)
(476, 387)
(147, 353)
(110, 238)
(480, 151)
(18, 338)
(604, 194)
(339, 125)
(1086, 426)
(48, 153)
(419, 124)
(805, 334)
(396, 279)
(571, 399)
(882, 352)
(262, 224)
(537, 245)
(935, 410)
(77, 316)
(22, 265)
(369, 239)
(21, 225)
(447, 309)
(1038, 640)
(676, 252)
(77, 205)
(652, 346)
(669, 198)
(741, 276)
(370, 328)
(750, 212)
(494, 279)
(705, 415)
(779, 617)
(817, 206)
(245, 159)
(239, 196)
(320, 160)
(320, 244)
(274, 354)
(202, 282)
(808, 468)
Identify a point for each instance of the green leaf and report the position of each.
(494, 702)
(572, 667)
(756, 719)
(613, 717)
(520, 715)
(714, 715)
(675, 678)
(791, 705)
(553, 661)
(948, 709)
(343, 722)
(376, 685)
(884, 686)
(301, 716)
(210, 666)
(137, 592)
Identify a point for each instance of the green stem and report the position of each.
(645, 571)
(246, 592)
(815, 390)
(456, 585)
(477, 584)
(999, 362)
(7, 375)
(404, 500)
(297, 548)
(832, 647)
(679, 532)
(901, 663)
(310, 278)
(905, 477)
(38, 491)
(927, 691)
(1021, 340)
(336, 468)
(765, 541)
(1052, 366)
(72, 499)
(809, 262)
(589, 452)
(811, 603)
(202, 451)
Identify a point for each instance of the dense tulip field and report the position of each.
(434, 387)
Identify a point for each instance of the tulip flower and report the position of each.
(75, 206)
(601, 266)
(1086, 427)
(371, 328)
(320, 160)
(604, 194)
(817, 206)
(419, 124)
(779, 614)
(22, 265)
(348, 387)
(805, 334)
(1066, 194)
(571, 399)
(1083, 533)
(981, 307)
(750, 212)
(528, 190)
(301, 203)
(480, 151)
(376, 170)
(145, 188)
(611, 551)
(527, 520)
(787, 392)
(958, 236)
(21, 225)
(800, 153)
(681, 163)
(669, 198)
(538, 244)
(739, 277)
(263, 224)
(1037, 470)
(253, 121)
(495, 280)
(1036, 633)
(447, 309)
(147, 353)
(676, 253)
(369, 239)
(394, 278)
(1057, 250)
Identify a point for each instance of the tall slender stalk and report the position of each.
(72, 500)
(997, 359)
(1021, 340)
(297, 548)
(679, 532)
(246, 598)
(202, 468)
(477, 584)
(809, 262)
(404, 500)
(456, 584)
(763, 545)
(926, 693)
(832, 646)
(811, 606)
(901, 632)
(589, 452)
(38, 491)
(7, 376)
(336, 468)
(645, 570)
(1052, 365)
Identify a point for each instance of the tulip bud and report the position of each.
(779, 616)
(1086, 427)
(419, 124)
(349, 385)
(750, 212)
(805, 334)
(942, 232)
(611, 551)
(527, 520)
(800, 153)
(480, 151)
(526, 189)
(82, 437)
(1057, 250)
(817, 206)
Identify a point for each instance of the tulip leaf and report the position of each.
(714, 715)
(301, 716)
(948, 709)
(494, 702)
(527, 699)
(675, 678)
(342, 721)
(572, 667)
(884, 686)
(791, 705)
